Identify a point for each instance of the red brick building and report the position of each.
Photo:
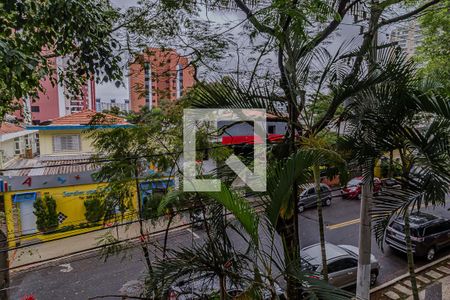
(159, 75)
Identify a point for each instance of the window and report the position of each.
(271, 129)
(148, 82)
(401, 228)
(66, 143)
(17, 149)
(436, 228)
(342, 264)
(311, 191)
(34, 108)
(323, 189)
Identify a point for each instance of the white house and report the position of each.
(16, 141)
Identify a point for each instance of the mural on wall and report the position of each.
(20, 183)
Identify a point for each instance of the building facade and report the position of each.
(66, 136)
(106, 105)
(408, 37)
(17, 142)
(158, 75)
(65, 172)
(55, 101)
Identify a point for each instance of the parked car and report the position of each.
(391, 183)
(203, 287)
(353, 188)
(342, 263)
(308, 198)
(429, 234)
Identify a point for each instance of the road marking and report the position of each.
(193, 233)
(67, 268)
(343, 224)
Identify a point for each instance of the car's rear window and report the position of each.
(401, 228)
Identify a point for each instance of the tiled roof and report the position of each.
(50, 166)
(85, 117)
(10, 128)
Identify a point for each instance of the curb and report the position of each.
(401, 277)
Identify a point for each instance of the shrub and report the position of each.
(95, 209)
(150, 205)
(46, 215)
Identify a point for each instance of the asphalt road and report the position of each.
(87, 276)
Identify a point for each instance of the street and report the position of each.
(88, 276)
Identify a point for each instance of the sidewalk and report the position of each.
(433, 281)
(33, 255)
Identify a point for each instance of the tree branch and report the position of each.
(408, 15)
(251, 17)
(341, 11)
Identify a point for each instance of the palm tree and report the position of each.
(334, 159)
(426, 184)
(253, 269)
(385, 118)
(229, 94)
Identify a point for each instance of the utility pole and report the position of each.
(365, 232)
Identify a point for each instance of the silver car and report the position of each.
(204, 287)
(308, 198)
(342, 263)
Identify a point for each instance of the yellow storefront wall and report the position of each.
(69, 201)
(46, 141)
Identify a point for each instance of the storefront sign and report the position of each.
(79, 193)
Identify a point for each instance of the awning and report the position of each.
(24, 197)
(249, 139)
(159, 184)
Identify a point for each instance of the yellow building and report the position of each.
(67, 135)
(70, 193)
(64, 171)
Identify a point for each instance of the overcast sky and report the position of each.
(347, 32)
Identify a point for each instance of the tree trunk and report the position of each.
(321, 225)
(365, 243)
(223, 288)
(141, 224)
(410, 255)
(391, 164)
(291, 251)
(166, 235)
(365, 236)
(405, 163)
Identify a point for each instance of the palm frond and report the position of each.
(229, 94)
(240, 208)
(296, 168)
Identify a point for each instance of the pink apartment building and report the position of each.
(54, 103)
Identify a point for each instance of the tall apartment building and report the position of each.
(55, 101)
(158, 75)
(408, 37)
(106, 104)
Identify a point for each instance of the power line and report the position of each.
(186, 225)
(105, 160)
(104, 245)
(111, 227)
(96, 230)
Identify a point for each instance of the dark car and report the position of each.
(391, 183)
(308, 198)
(353, 188)
(429, 234)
